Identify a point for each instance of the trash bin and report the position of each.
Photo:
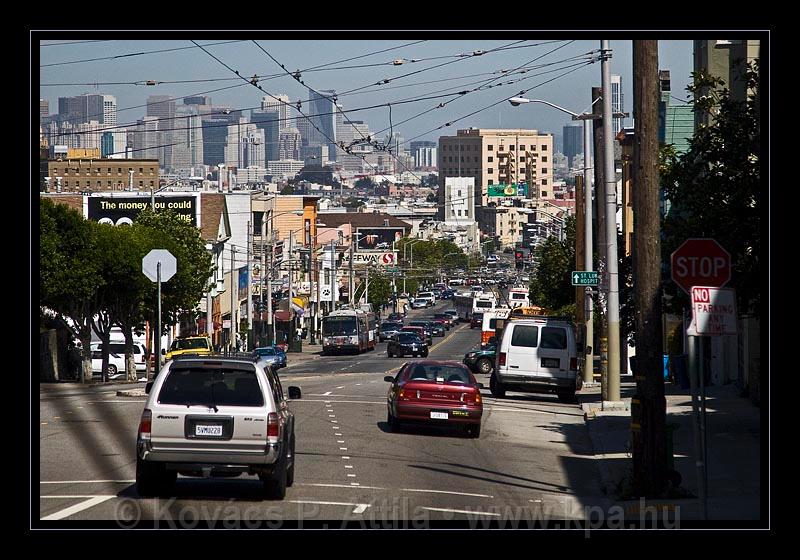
(680, 375)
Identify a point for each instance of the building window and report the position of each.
(119, 171)
(511, 148)
(544, 159)
(462, 148)
(109, 171)
(521, 147)
(109, 184)
(491, 182)
(544, 147)
(544, 181)
(491, 159)
(141, 183)
(544, 193)
(521, 158)
(490, 147)
(476, 159)
(151, 184)
(544, 170)
(490, 170)
(462, 159)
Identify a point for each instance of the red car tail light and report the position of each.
(273, 425)
(145, 424)
(501, 360)
(573, 363)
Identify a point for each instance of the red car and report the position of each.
(435, 392)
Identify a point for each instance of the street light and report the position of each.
(588, 373)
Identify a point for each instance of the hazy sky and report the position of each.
(457, 73)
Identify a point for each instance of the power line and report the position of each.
(133, 54)
(71, 43)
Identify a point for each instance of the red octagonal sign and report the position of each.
(700, 262)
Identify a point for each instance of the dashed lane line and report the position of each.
(464, 511)
(77, 508)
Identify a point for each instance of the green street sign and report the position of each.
(584, 278)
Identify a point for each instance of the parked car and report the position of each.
(407, 344)
(537, 355)
(398, 317)
(273, 355)
(216, 415)
(481, 360)
(435, 392)
(116, 358)
(388, 329)
(476, 320)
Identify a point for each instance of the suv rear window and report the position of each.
(221, 386)
(554, 337)
(524, 335)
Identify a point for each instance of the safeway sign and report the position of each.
(713, 310)
(700, 262)
(378, 258)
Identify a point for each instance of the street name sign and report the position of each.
(714, 310)
(584, 277)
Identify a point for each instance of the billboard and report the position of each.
(119, 210)
(378, 238)
(513, 189)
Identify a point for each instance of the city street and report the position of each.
(533, 460)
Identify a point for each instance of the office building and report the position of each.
(323, 114)
(573, 142)
(89, 174)
(425, 158)
(187, 138)
(269, 122)
(88, 107)
(244, 145)
(289, 144)
(494, 157)
(162, 109)
(279, 103)
(675, 119)
(44, 108)
(197, 100)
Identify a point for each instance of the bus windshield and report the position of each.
(339, 325)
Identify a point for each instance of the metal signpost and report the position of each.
(159, 265)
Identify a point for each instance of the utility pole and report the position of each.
(648, 410)
(351, 290)
(249, 294)
(600, 188)
(290, 263)
(232, 341)
(263, 274)
(333, 277)
(588, 364)
(612, 263)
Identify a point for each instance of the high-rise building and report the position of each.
(146, 139)
(459, 199)
(162, 108)
(417, 144)
(197, 100)
(425, 158)
(244, 145)
(323, 114)
(497, 156)
(573, 142)
(269, 122)
(726, 59)
(617, 101)
(44, 108)
(279, 103)
(289, 144)
(88, 107)
(187, 138)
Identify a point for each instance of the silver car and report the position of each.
(216, 415)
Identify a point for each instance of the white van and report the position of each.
(537, 356)
(427, 297)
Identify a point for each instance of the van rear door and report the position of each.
(553, 352)
(522, 349)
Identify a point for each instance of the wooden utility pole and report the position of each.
(580, 250)
(648, 408)
(600, 233)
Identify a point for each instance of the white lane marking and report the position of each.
(348, 466)
(358, 384)
(331, 416)
(326, 394)
(338, 485)
(354, 484)
(354, 402)
(337, 434)
(468, 512)
(342, 449)
(335, 421)
(345, 457)
(359, 508)
(339, 441)
(447, 492)
(351, 475)
(112, 401)
(342, 387)
(81, 481)
(77, 508)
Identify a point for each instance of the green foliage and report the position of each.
(715, 188)
(288, 189)
(431, 197)
(364, 183)
(551, 286)
(379, 290)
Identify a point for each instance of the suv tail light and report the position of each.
(501, 359)
(273, 425)
(145, 424)
(573, 363)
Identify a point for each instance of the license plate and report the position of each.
(208, 430)
(550, 362)
(439, 415)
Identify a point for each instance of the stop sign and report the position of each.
(700, 262)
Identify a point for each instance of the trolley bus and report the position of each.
(346, 329)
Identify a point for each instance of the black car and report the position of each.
(388, 329)
(398, 317)
(476, 321)
(406, 344)
(448, 294)
(437, 328)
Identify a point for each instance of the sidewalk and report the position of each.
(733, 442)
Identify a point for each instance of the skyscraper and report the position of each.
(88, 107)
(617, 101)
(279, 103)
(675, 120)
(573, 142)
(162, 108)
(187, 138)
(323, 114)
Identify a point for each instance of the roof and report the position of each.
(212, 211)
(362, 219)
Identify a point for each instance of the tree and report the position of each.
(431, 197)
(364, 183)
(715, 188)
(288, 189)
(551, 286)
(70, 274)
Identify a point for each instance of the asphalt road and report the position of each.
(532, 462)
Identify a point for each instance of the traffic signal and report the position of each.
(518, 260)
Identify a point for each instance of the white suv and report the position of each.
(428, 297)
(216, 416)
(116, 358)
